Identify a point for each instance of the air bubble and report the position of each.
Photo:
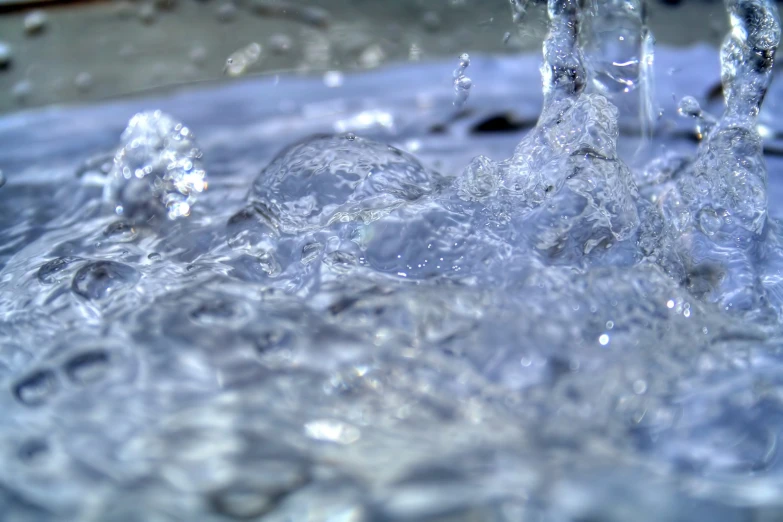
(88, 367)
(311, 252)
(35, 22)
(330, 178)
(239, 61)
(36, 389)
(639, 387)
(688, 106)
(100, 279)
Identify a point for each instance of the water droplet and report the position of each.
(603, 339)
(36, 388)
(35, 22)
(99, 279)
(87, 367)
(372, 57)
(462, 84)
(154, 256)
(6, 55)
(239, 61)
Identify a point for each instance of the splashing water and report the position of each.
(619, 51)
(462, 83)
(158, 163)
(356, 335)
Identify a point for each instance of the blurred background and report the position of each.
(55, 52)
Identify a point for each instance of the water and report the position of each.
(292, 299)
(462, 83)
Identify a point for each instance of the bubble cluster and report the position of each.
(157, 165)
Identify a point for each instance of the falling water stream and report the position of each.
(270, 303)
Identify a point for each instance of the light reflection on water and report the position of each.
(198, 369)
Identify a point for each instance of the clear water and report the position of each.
(389, 321)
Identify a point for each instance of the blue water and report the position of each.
(294, 351)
